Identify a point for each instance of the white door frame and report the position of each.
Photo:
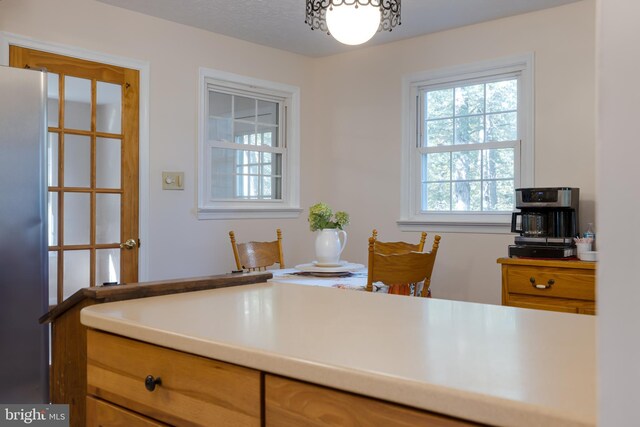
(7, 39)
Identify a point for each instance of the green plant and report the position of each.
(321, 216)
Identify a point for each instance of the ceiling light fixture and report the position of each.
(353, 22)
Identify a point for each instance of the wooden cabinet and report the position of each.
(556, 285)
(167, 385)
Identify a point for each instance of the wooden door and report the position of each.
(92, 150)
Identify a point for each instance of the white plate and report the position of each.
(329, 264)
(312, 268)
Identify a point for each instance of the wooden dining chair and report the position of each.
(388, 248)
(402, 272)
(256, 256)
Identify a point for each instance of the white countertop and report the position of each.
(491, 364)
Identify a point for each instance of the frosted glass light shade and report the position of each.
(353, 25)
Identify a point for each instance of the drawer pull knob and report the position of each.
(550, 283)
(150, 382)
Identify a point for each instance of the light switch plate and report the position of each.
(173, 180)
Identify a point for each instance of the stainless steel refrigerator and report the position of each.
(24, 343)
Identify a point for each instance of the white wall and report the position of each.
(350, 148)
(618, 206)
(358, 126)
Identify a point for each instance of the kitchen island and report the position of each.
(279, 343)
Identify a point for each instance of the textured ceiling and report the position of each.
(280, 23)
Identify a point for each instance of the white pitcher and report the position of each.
(329, 245)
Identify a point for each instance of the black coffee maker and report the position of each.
(547, 222)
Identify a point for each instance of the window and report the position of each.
(468, 145)
(249, 161)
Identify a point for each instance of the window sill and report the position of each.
(256, 213)
(478, 227)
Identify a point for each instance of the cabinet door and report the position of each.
(101, 413)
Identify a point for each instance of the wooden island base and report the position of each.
(138, 384)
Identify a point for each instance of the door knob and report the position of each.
(129, 244)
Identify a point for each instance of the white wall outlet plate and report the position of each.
(173, 180)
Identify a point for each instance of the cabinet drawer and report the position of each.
(290, 403)
(193, 390)
(543, 304)
(556, 282)
(101, 413)
(588, 310)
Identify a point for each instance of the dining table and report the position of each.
(355, 279)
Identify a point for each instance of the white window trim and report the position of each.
(411, 219)
(289, 206)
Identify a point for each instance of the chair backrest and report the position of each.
(255, 256)
(388, 248)
(402, 269)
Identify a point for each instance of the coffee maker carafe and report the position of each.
(547, 222)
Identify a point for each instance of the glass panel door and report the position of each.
(92, 171)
